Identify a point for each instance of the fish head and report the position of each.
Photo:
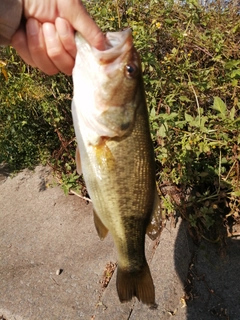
(106, 84)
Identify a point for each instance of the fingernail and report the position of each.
(32, 27)
(62, 27)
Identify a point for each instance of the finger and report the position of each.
(19, 43)
(55, 50)
(82, 22)
(66, 35)
(37, 47)
(90, 31)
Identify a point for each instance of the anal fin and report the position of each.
(100, 227)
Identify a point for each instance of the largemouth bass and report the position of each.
(115, 154)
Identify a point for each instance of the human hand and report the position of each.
(47, 41)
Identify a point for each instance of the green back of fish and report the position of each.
(120, 178)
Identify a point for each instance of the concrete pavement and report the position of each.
(52, 263)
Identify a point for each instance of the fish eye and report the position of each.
(131, 70)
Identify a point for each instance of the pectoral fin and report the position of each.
(100, 227)
(155, 226)
(104, 156)
(78, 161)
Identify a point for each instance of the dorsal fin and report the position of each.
(155, 226)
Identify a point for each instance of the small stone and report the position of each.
(59, 271)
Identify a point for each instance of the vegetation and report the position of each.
(191, 62)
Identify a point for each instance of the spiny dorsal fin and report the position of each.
(100, 227)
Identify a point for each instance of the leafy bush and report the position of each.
(35, 117)
(191, 62)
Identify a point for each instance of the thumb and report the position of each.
(81, 21)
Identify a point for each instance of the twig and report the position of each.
(198, 106)
(233, 234)
(234, 163)
(54, 280)
(212, 241)
(219, 170)
(78, 195)
(204, 50)
(119, 19)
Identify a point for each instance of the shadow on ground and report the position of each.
(212, 289)
(4, 172)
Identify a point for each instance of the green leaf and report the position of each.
(235, 73)
(162, 130)
(153, 113)
(224, 160)
(203, 147)
(184, 98)
(232, 113)
(220, 106)
(170, 116)
(169, 21)
(188, 118)
(231, 64)
(236, 193)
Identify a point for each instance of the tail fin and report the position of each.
(138, 284)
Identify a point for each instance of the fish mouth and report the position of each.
(117, 43)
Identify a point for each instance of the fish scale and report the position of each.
(116, 155)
